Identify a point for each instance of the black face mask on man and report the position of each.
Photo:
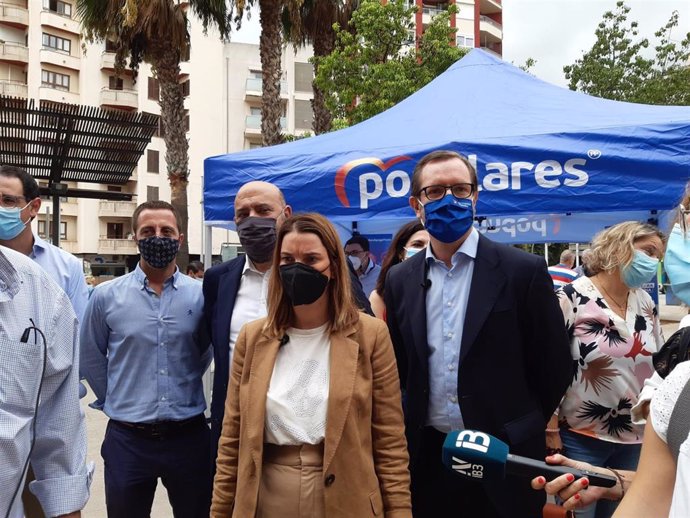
(258, 238)
(302, 284)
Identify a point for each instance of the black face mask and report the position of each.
(258, 238)
(302, 284)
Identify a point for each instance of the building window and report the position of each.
(110, 46)
(114, 188)
(160, 131)
(42, 229)
(152, 161)
(304, 75)
(154, 89)
(464, 41)
(151, 193)
(115, 231)
(55, 80)
(304, 115)
(185, 88)
(56, 43)
(115, 83)
(62, 8)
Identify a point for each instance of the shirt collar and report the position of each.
(249, 266)
(10, 282)
(371, 266)
(141, 278)
(468, 247)
(40, 246)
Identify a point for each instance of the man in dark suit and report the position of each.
(235, 291)
(480, 343)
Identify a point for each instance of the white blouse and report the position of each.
(663, 401)
(297, 398)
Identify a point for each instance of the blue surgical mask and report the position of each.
(409, 252)
(677, 264)
(640, 270)
(11, 224)
(449, 218)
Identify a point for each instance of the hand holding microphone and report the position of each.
(480, 456)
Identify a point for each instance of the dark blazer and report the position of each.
(515, 363)
(221, 284)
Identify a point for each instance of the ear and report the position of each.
(287, 211)
(34, 207)
(416, 207)
(181, 239)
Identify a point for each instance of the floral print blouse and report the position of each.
(612, 357)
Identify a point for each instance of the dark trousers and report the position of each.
(438, 492)
(134, 461)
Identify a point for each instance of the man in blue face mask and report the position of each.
(480, 344)
(144, 360)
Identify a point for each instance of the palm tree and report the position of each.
(313, 23)
(270, 48)
(155, 31)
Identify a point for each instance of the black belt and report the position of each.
(163, 429)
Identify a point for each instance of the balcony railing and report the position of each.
(117, 246)
(60, 58)
(254, 122)
(123, 209)
(60, 21)
(14, 15)
(490, 21)
(15, 52)
(255, 84)
(13, 88)
(432, 10)
(120, 98)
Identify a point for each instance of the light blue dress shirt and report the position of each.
(140, 352)
(369, 278)
(58, 456)
(66, 270)
(446, 306)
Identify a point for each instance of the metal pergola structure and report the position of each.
(73, 143)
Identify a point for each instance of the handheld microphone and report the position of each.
(480, 456)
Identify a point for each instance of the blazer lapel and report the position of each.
(487, 282)
(228, 287)
(343, 371)
(416, 298)
(263, 361)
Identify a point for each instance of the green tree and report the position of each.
(155, 32)
(313, 22)
(376, 64)
(619, 66)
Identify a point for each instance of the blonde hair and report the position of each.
(614, 247)
(342, 311)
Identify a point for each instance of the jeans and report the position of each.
(604, 454)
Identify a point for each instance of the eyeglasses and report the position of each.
(10, 201)
(459, 190)
(355, 252)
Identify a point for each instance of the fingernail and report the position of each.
(541, 480)
(584, 482)
(570, 477)
(576, 496)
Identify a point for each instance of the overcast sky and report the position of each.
(554, 32)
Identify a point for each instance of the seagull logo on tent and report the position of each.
(371, 183)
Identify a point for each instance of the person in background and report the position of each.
(563, 273)
(20, 201)
(41, 422)
(357, 250)
(480, 344)
(409, 240)
(314, 424)
(195, 269)
(584, 257)
(144, 359)
(235, 291)
(614, 329)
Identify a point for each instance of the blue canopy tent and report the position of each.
(547, 158)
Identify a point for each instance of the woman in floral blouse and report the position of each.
(614, 328)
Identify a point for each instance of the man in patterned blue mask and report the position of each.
(144, 361)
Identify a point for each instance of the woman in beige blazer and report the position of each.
(313, 423)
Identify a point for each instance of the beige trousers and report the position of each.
(291, 482)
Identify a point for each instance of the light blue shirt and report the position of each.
(66, 270)
(446, 306)
(369, 278)
(58, 456)
(140, 352)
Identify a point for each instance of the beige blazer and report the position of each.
(365, 465)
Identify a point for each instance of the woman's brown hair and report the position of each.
(614, 247)
(342, 311)
(395, 251)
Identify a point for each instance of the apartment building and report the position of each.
(479, 23)
(43, 57)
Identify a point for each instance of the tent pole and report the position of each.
(208, 246)
(546, 253)
(577, 255)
